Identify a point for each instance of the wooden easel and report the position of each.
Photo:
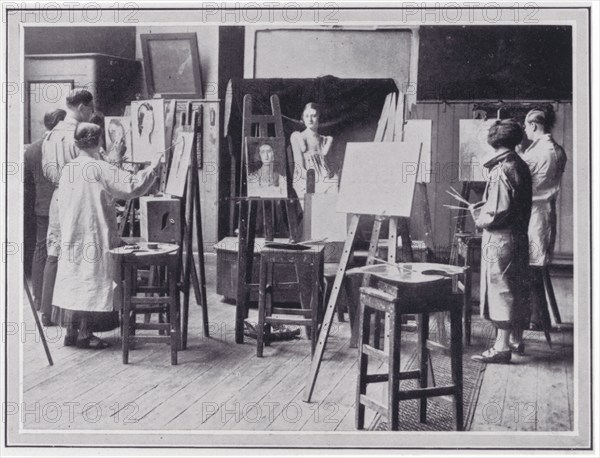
(395, 224)
(392, 118)
(192, 216)
(256, 126)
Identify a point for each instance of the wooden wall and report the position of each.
(445, 144)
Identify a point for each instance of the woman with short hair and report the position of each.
(86, 191)
(504, 217)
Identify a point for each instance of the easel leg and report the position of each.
(423, 330)
(240, 308)
(268, 223)
(247, 231)
(290, 208)
(202, 277)
(550, 295)
(353, 306)
(38, 325)
(330, 311)
(460, 223)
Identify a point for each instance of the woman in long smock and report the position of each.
(546, 160)
(87, 190)
(504, 217)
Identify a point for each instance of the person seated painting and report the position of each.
(310, 150)
(86, 192)
(266, 176)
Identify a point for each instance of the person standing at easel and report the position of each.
(57, 150)
(504, 217)
(546, 160)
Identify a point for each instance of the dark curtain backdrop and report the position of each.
(350, 109)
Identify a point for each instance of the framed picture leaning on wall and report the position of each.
(172, 65)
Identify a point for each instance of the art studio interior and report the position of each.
(299, 228)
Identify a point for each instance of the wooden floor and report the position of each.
(219, 385)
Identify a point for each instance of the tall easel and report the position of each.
(256, 126)
(192, 216)
(390, 128)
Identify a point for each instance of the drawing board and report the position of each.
(180, 162)
(148, 129)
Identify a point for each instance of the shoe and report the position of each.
(519, 349)
(93, 343)
(70, 340)
(492, 356)
(46, 320)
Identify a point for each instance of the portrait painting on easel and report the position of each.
(118, 138)
(265, 167)
(148, 129)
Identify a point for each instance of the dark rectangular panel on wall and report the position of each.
(231, 65)
(500, 62)
(114, 41)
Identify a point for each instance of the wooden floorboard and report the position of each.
(219, 385)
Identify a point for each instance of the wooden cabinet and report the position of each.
(113, 81)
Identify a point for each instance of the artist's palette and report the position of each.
(420, 272)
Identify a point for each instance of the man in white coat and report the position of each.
(59, 149)
(546, 160)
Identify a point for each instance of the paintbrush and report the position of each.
(454, 207)
(457, 196)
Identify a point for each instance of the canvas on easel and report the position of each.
(473, 149)
(180, 162)
(379, 178)
(265, 167)
(148, 129)
(117, 130)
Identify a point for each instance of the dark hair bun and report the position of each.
(87, 135)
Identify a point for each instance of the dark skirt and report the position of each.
(93, 321)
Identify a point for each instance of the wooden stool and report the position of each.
(309, 273)
(467, 247)
(394, 300)
(167, 302)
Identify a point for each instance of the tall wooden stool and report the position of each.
(394, 296)
(309, 273)
(163, 299)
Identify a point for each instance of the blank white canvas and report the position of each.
(379, 178)
(419, 130)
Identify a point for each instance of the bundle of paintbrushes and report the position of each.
(464, 203)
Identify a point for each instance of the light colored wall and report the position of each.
(208, 48)
(345, 52)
